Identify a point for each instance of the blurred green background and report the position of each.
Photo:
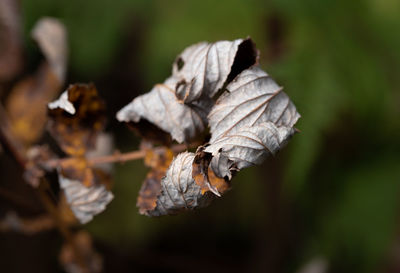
(329, 199)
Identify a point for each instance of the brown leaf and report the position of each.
(26, 105)
(158, 160)
(200, 171)
(78, 168)
(87, 260)
(11, 50)
(77, 118)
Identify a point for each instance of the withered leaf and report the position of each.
(72, 261)
(159, 161)
(179, 190)
(161, 107)
(203, 68)
(253, 97)
(85, 202)
(246, 147)
(79, 169)
(11, 55)
(77, 118)
(51, 36)
(26, 104)
(200, 171)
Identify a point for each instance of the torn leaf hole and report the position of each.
(180, 63)
(246, 56)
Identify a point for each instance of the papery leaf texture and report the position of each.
(76, 119)
(203, 68)
(161, 107)
(253, 97)
(181, 104)
(85, 202)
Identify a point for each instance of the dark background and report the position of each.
(330, 198)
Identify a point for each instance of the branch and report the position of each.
(116, 157)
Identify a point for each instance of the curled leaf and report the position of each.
(51, 36)
(179, 190)
(161, 107)
(77, 118)
(203, 68)
(85, 202)
(253, 97)
(247, 147)
(200, 171)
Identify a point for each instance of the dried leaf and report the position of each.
(200, 171)
(51, 36)
(77, 118)
(26, 104)
(159, 161)
(79, 169)
(181, 104)
(203, 68)
(247, 147)
(179, 190)
(11, 55)
(161, 107)
(85, 202)
(72, 261)
(251, 98)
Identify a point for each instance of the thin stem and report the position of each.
(116, 157)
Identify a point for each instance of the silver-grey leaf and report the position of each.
(179, 190)
(203, 68)
(51, 36)
(253, 97)
(161, 107)
(247, 147)
(85, 202)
